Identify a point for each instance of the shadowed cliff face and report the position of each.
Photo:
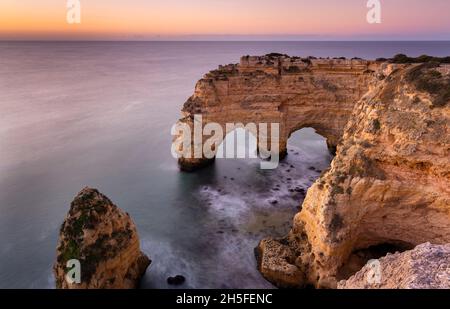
(294, 92)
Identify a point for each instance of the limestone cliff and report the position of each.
(425, 267)
(104, 239)
(292, 91)
(388, 184)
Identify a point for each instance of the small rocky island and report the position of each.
(105, 241)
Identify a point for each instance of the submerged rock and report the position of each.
(177, 280)
(104, 240)
(425, 267)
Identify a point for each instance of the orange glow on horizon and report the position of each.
(164, 18)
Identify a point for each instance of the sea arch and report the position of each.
(293, 92)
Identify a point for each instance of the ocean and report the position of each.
(99, 114)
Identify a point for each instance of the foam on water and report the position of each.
(243, 205)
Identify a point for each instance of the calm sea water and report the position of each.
(99, 114)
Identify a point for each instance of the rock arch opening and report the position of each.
(293, 92)
(308, 139)
(238, 143)
(358, 258)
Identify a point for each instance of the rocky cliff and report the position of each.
(388, 186)
(425, 267)
(104, 239)
(292, 91)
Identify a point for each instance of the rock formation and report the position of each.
(388, 185)
(292, 91)
(104, 239)
(425, 267)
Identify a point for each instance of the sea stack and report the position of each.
(104, 240)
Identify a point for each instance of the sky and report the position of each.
(225, 20)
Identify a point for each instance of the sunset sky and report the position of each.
(225, 19)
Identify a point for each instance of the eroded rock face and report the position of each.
(425, 267)
(105, 241)
(388, 184)
(292, 91)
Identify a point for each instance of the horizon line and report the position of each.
(217, 40)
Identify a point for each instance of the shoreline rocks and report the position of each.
(104, 240)
(427, 266)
